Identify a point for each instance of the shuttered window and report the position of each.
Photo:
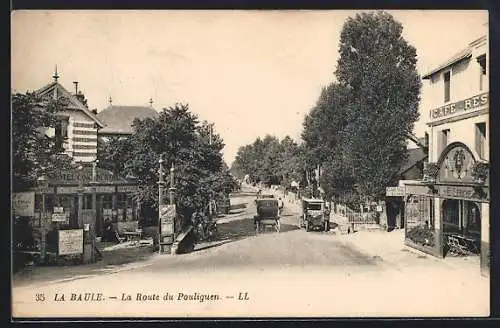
(481, 139)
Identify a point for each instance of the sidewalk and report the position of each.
(115, 258)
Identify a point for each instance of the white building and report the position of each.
(449, 210)
(78, 124)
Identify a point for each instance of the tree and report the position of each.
(33, 152)
(377, 73)
(180, 140)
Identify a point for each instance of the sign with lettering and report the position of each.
(463, 192)
(23, 203)
(462, 106)
(125, 189)
(167, 216)
(395, 191)
(59, 217)
(70, 242)
(86, 190)
(84, 176)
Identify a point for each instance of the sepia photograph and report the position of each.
(250, 164)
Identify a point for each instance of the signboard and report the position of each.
(59, 217)
(127, 188)
(167, 216)
(86, 189)
(70, 242)
(395, 191)
(58, 210)
(459, 106)
(23, 203)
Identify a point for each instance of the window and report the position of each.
(87, 202)
(445, 135)
(482, 71)
(481, 139)
(446, 86)
(61, 132)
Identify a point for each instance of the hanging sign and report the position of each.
(59, 217)
(167, 216)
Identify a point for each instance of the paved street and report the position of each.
(291, 273)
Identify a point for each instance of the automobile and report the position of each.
(315, 215)
(267, 214)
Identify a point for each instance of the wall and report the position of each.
(82, 140)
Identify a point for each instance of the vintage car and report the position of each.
(315, 215)
(267, 214)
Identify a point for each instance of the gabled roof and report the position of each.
(466, 53)
(74, 103)
(415, 156)
(119, 119)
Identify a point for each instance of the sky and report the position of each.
(252, 73)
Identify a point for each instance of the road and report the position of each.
(291, 273)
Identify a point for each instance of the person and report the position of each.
(281, 204)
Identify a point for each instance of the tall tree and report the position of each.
(378, 67)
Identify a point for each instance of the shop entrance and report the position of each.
(395, 210)
(461, 227)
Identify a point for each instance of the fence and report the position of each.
(361, 218)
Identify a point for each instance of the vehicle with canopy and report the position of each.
(315, 215)
(267, 214)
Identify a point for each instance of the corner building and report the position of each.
(447, 213)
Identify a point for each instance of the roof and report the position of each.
(119, 119)
(466, 53)
(415, 156)
(74, 103)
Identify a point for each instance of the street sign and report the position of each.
(167, 216)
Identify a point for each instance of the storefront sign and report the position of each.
(459, 107)
(463, 192)
(86, 190)
(167, 216)
(70, 242)
(127, 189)
(395, 191)
(23, 203)
(83, 176)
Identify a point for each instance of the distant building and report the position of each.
(78, 124)
(448, 211)
(118, 119)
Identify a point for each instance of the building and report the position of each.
(83, 199)
(78, 124)
(118, 119)
(411, 170)
(448, 211)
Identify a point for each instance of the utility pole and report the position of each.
(210, 143)
(160, 202)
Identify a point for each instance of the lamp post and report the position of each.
(43, 183)
(171, 191)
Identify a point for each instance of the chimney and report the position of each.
(76, 87)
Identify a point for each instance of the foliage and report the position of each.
(378, 68)
(191, 147)
(33, 152)
(357, 131)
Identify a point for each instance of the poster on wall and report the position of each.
(70, 242)
(23, 203)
